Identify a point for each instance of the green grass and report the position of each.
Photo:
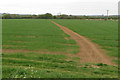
(37, 34)
(34, 65)
(104, 33)
(0, 48)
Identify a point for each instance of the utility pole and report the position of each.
(107, 14)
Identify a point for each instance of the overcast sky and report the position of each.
(73, 7)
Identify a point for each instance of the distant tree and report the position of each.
(14, 16)
(55, 17)
(48, 16)
(34, 16)
(45, 16)
(6, 16)
(63, 16)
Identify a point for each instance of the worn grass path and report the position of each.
(89, 51)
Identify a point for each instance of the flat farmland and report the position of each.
(37, 48)
(36, 35)
(104, 33)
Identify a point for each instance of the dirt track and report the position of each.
(89, 52)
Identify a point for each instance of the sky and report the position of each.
(70, 7)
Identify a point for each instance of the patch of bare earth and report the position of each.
(24, 51)
(28, 36)
(33, 51)
(89, 51)
(12, 46)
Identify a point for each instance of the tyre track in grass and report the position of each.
(89, 51)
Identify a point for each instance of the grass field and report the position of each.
(34, 65)
(1, 48)
(104, 33)
(26, 40)
(36, 35)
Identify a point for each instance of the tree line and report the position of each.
(50, 16)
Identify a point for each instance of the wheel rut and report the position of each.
(89, 51)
